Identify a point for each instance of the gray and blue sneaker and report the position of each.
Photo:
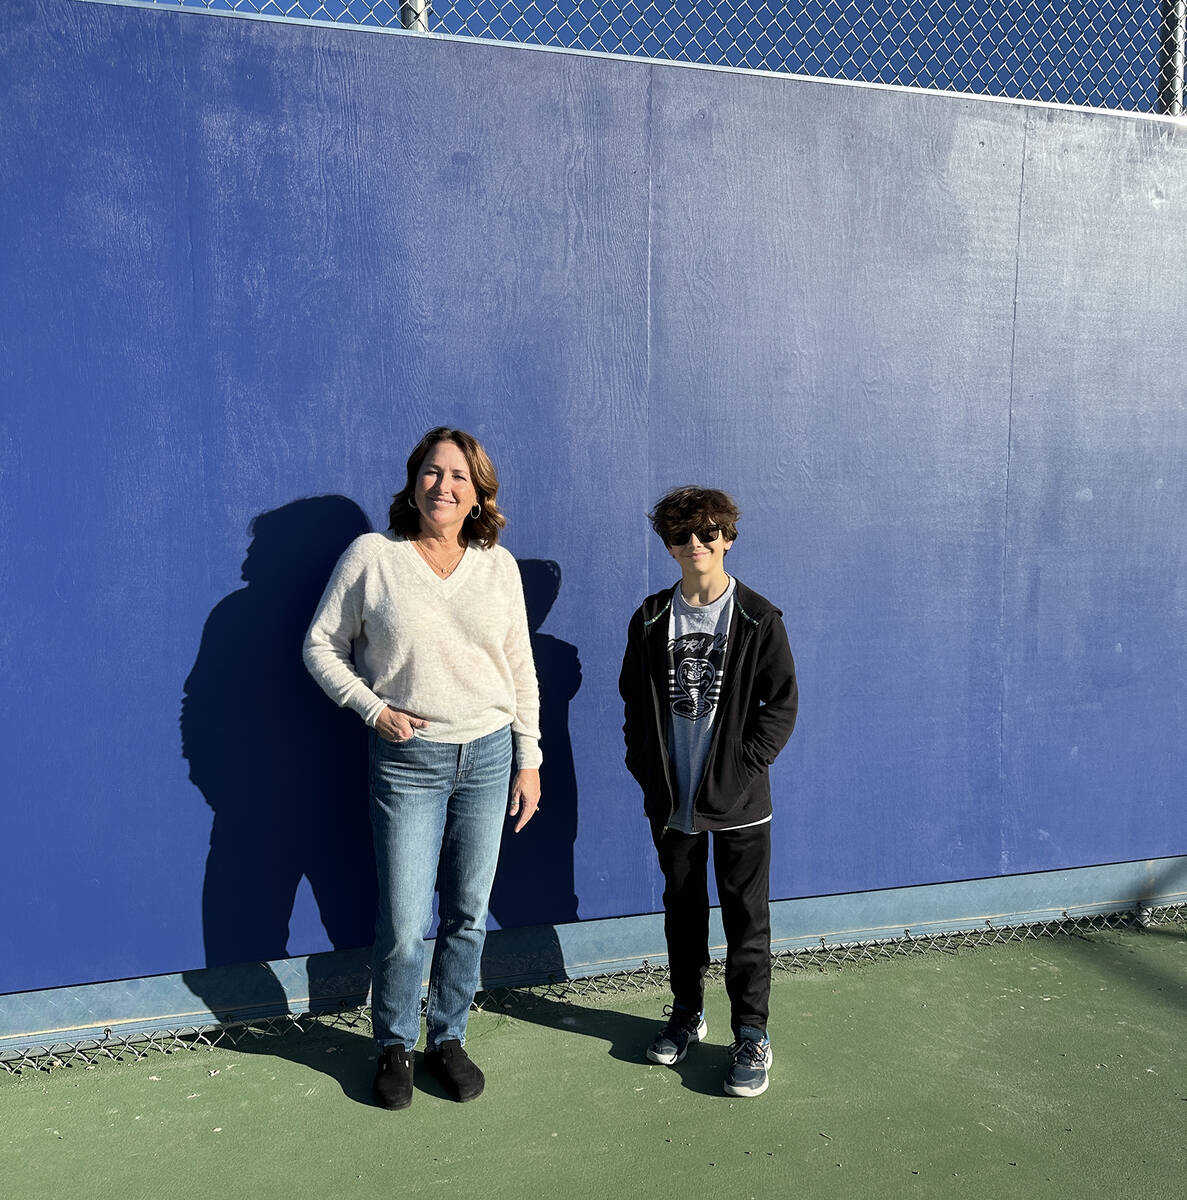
(750, 1060)
(672, 1042)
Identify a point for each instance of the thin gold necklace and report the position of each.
(443, 571)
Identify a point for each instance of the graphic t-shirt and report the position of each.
(697, 642)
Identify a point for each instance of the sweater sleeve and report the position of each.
(525, 729)
(336, 624)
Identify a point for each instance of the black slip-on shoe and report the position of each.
(393, 1078)
(452, 1068)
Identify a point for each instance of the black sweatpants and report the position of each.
(742, 866)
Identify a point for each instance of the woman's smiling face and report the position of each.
(445, 494)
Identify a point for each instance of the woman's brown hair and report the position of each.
(404, 517)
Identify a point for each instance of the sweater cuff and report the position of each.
(527, 752)
(367, 704)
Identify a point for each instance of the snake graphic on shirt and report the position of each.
(694, 678)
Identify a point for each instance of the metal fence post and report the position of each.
(414, 14)
(1176, 42)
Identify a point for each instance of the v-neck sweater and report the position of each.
(455, 651)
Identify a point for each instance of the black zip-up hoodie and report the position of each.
(755, 715)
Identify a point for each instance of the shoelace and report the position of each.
(677, 1024)
(748, 1053)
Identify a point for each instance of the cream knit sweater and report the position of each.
(455, 651)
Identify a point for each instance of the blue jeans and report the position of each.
(437, 811)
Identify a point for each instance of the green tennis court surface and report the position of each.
(1036, 1069)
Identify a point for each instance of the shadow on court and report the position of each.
(626, 1035)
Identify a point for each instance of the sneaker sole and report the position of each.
(746, 1093)
(699, 1034)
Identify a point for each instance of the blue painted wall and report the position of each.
(930, 344)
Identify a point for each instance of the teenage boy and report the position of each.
(708, 685)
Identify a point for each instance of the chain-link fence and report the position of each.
(259, 1034)
(1117, 54)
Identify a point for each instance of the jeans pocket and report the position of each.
(395, 764)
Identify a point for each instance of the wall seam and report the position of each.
(656, 899)
(649, 292)
(1001, 728)
(184, 40)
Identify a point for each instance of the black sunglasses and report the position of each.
(709, 534)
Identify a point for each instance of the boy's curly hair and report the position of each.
(688, 509)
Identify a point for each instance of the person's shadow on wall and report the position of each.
(283, 769)
(534, 884)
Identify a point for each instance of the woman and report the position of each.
(422, 631)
